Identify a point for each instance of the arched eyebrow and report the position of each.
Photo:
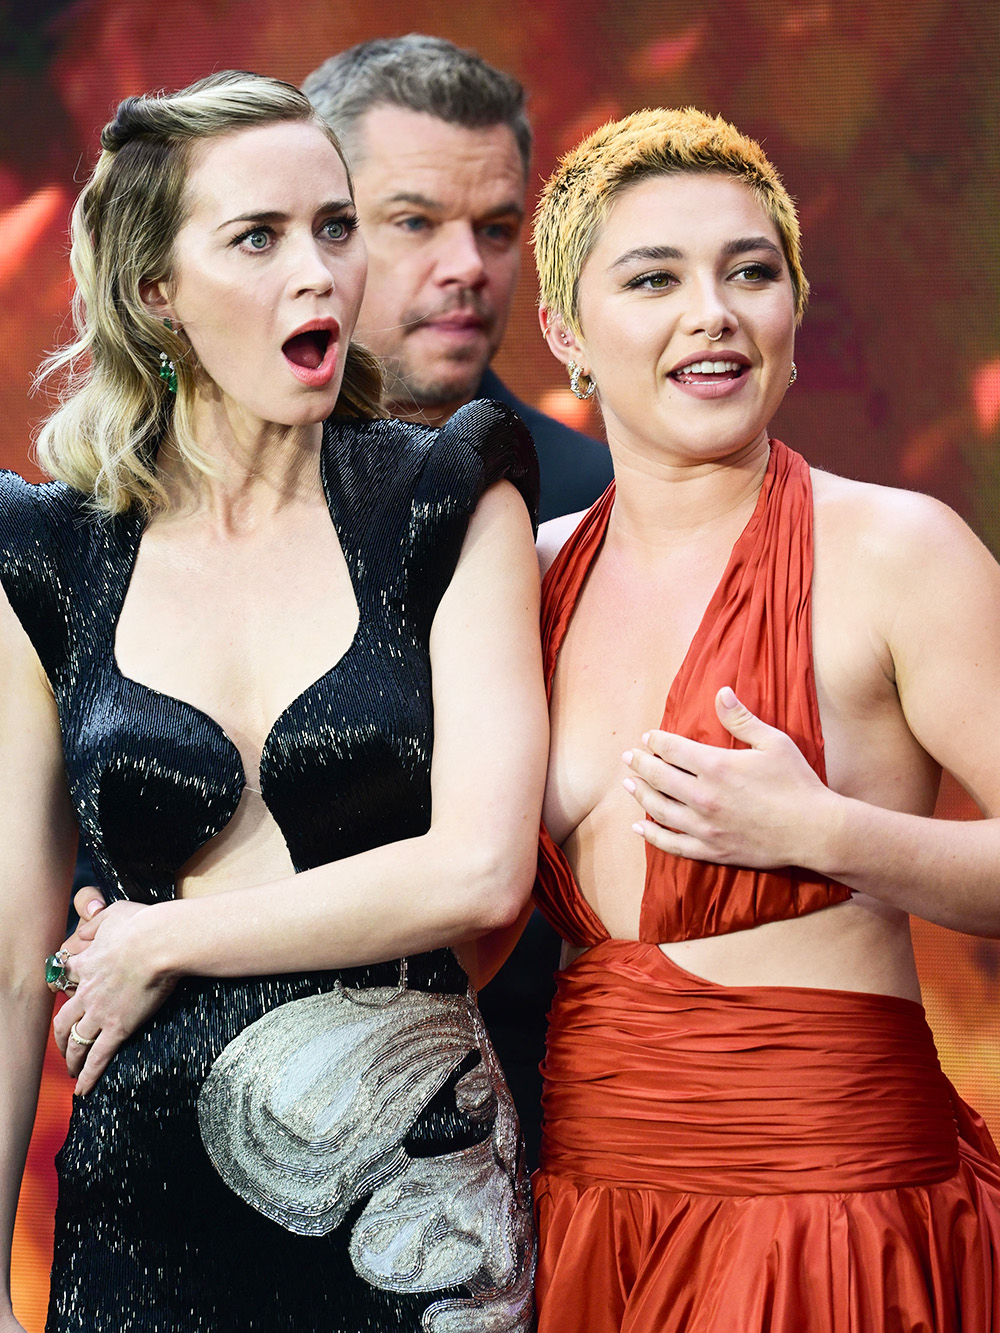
(744, 244)
(273, 215)
(650, 253)
(653, 253)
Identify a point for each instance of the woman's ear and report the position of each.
(155, 298)
(563, 343)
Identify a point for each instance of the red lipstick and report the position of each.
(311, 352)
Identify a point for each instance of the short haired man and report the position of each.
(439, 147)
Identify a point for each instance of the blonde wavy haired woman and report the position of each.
(248, 635)
(745, 1123)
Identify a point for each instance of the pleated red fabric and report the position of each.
(755, 635)
(721, 1160)
(742, 1160)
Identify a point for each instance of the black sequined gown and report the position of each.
(333, 1152)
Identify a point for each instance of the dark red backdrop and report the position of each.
(883, 119)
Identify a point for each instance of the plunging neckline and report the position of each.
(600, 515)
(337, 521)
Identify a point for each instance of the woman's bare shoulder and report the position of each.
(885, 517)
(905, 556)
(553, 536)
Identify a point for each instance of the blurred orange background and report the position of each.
(882, 118)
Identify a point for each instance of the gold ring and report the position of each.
(81, 1041)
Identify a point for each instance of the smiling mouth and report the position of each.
(708, 372)
(307, 349)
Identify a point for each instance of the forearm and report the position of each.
(945, 871)
(469, 874)
(401, 898)
(764, 807)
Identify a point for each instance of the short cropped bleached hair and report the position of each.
(578, 196)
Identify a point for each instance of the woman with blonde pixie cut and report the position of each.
(245, 636)
(745, 1123)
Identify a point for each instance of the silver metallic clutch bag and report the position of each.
(306, 1112)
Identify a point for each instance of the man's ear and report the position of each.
(563, 343)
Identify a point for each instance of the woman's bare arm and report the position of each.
(469, 875)
(36, 865)
(764, 806)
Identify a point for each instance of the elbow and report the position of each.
(498, 886)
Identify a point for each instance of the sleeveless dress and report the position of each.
(724, 1159)
(326, 1151)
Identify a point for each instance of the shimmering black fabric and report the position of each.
(148, 1236)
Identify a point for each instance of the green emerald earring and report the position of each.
(168, 371)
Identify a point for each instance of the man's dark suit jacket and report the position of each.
(575, 470)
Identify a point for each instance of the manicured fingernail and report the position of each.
(645, 738)
(727, 697)
(629, 785)
(637, 828)
(94, 907)
(627, 756)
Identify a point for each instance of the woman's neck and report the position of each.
(661, 504)
(259, 467)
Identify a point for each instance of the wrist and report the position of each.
(157, 942)
(832, 832)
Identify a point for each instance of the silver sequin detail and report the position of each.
(305, 1114)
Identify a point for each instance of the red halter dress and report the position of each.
(739, 1159)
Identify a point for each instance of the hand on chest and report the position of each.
(627, 641)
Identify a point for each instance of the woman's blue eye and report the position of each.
(257, 240)
(340, 229)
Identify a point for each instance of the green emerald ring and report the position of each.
(56, 973)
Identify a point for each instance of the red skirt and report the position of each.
(755, 1160)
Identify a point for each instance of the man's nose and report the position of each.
(460, 258)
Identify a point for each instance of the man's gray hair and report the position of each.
(418, 73)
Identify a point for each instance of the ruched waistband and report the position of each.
(655, 1077)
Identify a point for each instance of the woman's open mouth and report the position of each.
(708, 372)
(708, 377)
(311, 355)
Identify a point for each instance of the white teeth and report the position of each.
(709, 368)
